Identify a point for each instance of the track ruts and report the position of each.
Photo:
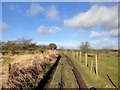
(77, 74)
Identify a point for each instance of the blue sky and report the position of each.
(66, 24)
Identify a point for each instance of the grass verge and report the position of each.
(106, 66)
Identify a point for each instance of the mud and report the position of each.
(77, 74)
(44, 83)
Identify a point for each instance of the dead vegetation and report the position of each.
(25, 69)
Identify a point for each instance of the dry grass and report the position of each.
(28, 61)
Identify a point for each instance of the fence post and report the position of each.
(9, 70)
(91, 65)
(77, 55)
(72, 54)
(86, 59)
(80, 56)
(96, 64)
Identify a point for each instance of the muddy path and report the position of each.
(68, 79)
(45, 82)
(62, 76)
(77, 74)
(67, 73)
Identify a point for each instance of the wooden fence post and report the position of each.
(80, 56)
(91, 65)
(72, 54)
(9, 70)
(96, 64)
(86, 59)
(77, 55)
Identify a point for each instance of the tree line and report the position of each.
(21, 46)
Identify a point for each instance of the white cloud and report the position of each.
(41, 30)
(52, 12)
(102, 16)
(95, 34)
(15, 7)
(3, 26)
(35, 9)
(54, 29)
(105, 43)
(114, 33)
(105, 40)
(111, 45)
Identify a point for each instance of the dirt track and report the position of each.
(45, 82)
(77, 74)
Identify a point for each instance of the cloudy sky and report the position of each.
(64, 23)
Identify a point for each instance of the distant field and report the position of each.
(106, 66)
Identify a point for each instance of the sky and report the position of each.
(65, 23)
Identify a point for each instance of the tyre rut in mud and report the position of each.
(44, 83)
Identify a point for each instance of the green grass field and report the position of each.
(106, 66)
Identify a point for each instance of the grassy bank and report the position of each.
(106, 66)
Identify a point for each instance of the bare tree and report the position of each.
(85, 46)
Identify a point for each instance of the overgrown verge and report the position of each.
(106, 66)
(26, 74)
(46, 80)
